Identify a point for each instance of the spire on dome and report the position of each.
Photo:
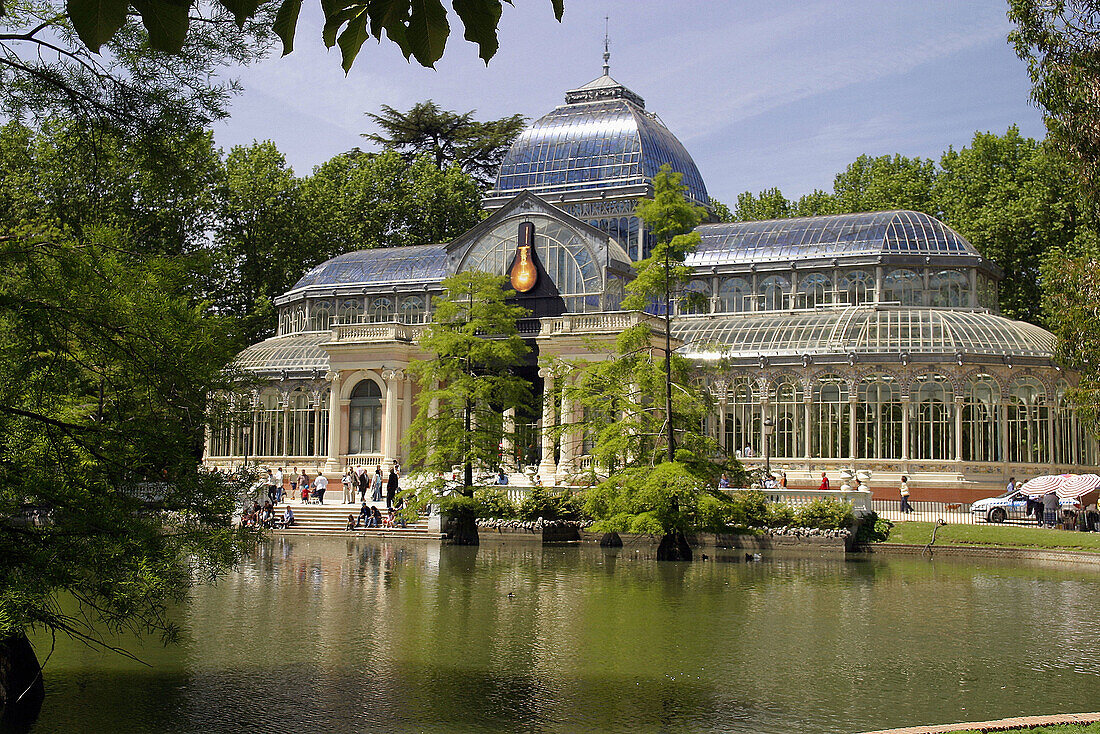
(606, 48)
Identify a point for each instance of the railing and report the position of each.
(606, 323)
(954, 513)
(376, 332)
(859, 499)
(368, 460)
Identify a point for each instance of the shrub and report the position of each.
(493, 502)
(749, 509)
(873, 529)
(549, 505)
(779, 515)
(828, 514)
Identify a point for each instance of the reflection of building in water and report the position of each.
(872, 341)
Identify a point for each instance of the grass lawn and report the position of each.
(1005, 536)
(1059, 729)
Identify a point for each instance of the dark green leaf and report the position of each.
(335, 21)
(166, 22)
(242, 9)
(286, 21)
(428, 30)
(351, 40)
(386, 13)
(559, 8)
(480, 19)
(96, 21)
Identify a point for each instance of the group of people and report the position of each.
(258, 516)
(360, 480)
(371, 517)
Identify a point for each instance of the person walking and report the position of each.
(783, 479)
(320, 484)
(363, 482)
(294, 483)
(824, 483)
(376, 484)
(346, 480)
(279, 485)
(904, 489)
(303, 485)
(270, 486)
(1050, 509)
(391, 487)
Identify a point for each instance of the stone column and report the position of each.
(568, 442)
(853, 402)
(389, 419)
(958, 428)
(905, 406)
(879, 284)
(335, 439)
(722, 424)
(508, 442)
(547, 467)
(407, 412)
(807, 404)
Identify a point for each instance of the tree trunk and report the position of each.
(611, 540)
(674, 547)
(461, 529)
(21, 689)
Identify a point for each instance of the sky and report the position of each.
(761, 93)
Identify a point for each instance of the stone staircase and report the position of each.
(331, 519)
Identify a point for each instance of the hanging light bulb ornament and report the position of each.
(524, 274)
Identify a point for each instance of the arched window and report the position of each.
(981, 420)
(902, 286)
(700, 301)
(815, 290)
(878, 418)
(742, 417)
(268, 438)
(1027, 413)
(1066, 441)
(320, 316)
(350, 311)
(412, 310)
(931, 419)
(774, 293)
(302, 426)
(381, 310)
(734, 295)
(950, 289)
(858, 286)
(788, 412)
(365, 419)
(292, 319)
(613, 295)
(829, 418)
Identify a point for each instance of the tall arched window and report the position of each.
(734, 295)
(950, 289)
(699, 301)
(350, 311)
(365, 419)
(931, 422)
(302, 427)
(858, 286)
(774, 293)
(320, 316)
(412, 310)
(788, 412)
(381, 310)
(1027, 413)
(878, 418)
(742, 417)
(902, 286)
(815, 290)
(829, 417)
(268, 437)
(981, 420)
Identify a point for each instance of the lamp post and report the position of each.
(769, 425)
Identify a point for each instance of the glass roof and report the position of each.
(871, 233)
(379, 266)
(295, 353)
(593, 145)
(862, 330)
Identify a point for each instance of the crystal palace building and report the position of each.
(871, 341)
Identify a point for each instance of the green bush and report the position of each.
(494, 503)
(779, 515)
(873, 529)
(828, 514)
(748, 509)
(550, 505)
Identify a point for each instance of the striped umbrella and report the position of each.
(1066, 486)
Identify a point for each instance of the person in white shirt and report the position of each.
(320, 484)
(278, 485)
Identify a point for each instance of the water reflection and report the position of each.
(332, 635)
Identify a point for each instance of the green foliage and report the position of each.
(825, 513)
(469, 382)
(1071, 283)
(663, 499)
(493, 502)
(873, 529)
(104, 378)
(550, 505)
(447, 138)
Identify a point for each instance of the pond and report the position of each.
(335, 635)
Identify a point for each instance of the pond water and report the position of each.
(337, 635)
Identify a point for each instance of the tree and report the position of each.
(768, 204)
(419, 27)
(448, 138)
(883, 183)
(262, 244)
(671, 219)
(469, 381)
(104, 378)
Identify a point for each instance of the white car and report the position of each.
(1009, 506)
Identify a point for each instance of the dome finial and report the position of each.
(606, 48)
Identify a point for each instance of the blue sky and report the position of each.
(761, 93)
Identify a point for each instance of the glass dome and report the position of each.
(863, 331)
(295, 353)
(380, 266)
(871, 233)
(601, 138)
